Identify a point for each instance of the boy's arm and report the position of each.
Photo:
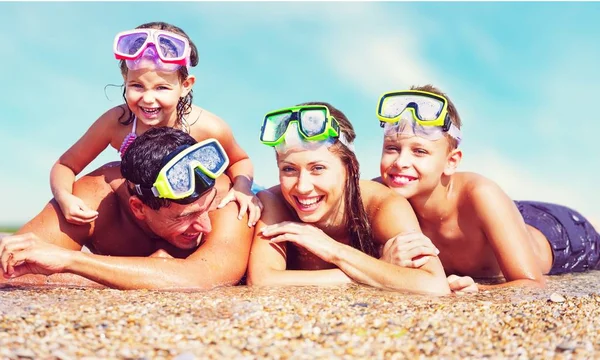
(507, 234)
(268, 260)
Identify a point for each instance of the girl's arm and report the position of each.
(268, 260)
(74, 160)
(240, 170)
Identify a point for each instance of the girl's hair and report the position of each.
(184, 106)
(355, 216)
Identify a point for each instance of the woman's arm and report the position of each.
(268, 260)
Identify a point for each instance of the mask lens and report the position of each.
(207, 161)
(180, 177)
(170, 47)
(131, 44)
(275, 126)
(212, 159)
(313, 121)
(426, 108)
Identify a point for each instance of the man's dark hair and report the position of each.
(144, 158)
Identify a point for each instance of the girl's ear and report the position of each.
(187, 85)
(137, 207)
(452, 162)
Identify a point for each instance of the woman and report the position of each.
(322, 225)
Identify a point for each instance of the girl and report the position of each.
(321, 224)
(155, 60)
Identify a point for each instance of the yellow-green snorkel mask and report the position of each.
(188, 172)
(305, 125)
(416, 112)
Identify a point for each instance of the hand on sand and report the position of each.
(28, 254)
(461, 285)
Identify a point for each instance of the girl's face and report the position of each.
(412, 165)
(153, 95)
(312, 182)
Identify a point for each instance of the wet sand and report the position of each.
(561, 321)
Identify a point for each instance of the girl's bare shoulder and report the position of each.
(202, 121)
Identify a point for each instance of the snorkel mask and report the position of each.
(188, 172)
(416, 112)
(305, 126)
(159, 49)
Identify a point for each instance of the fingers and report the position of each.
(255, 210)
(227, 199)
(243, 209)
(413, 263)
(11, 245)
(281, 228)
(283, 238)
(462, 284)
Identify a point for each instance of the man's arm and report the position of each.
(507, 234)
(221, 260)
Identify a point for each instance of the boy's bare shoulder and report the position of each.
(475, 190)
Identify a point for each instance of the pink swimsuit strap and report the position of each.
(128, 139)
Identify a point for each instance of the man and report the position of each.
(156, 227)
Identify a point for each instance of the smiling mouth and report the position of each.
(401, 180)
(308, 204)
(150, 111)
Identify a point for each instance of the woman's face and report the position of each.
(312, 182)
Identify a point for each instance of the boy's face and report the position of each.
(412, 165)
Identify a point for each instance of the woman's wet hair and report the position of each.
(184, 106)
(355, 215)
(143, 160)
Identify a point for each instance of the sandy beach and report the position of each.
(350, 322)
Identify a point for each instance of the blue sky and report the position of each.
(522, 75)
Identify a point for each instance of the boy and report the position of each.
(478, 229)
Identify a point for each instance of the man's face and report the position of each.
(183, 225)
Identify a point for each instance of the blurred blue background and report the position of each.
(524, 77)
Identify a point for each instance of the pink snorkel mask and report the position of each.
(139, 49)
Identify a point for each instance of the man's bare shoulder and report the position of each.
(94, 187)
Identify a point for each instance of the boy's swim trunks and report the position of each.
(575, 243)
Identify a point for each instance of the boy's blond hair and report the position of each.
(452, 112)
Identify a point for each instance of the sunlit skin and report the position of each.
(193, 246)
(460, 212)
(312, 183)
(412, 165)
(183, 226)
(152, 96)
(302, 237)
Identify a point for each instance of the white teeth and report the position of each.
(402, 179)
(310, 201)
(150, 110)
